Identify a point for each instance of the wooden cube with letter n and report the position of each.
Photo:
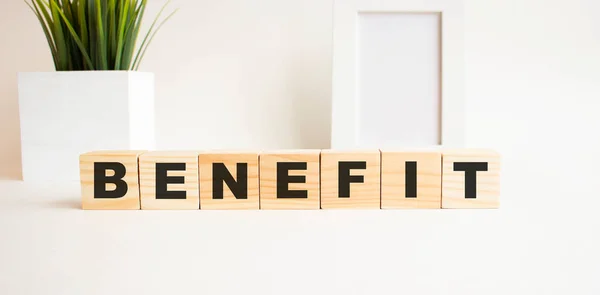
(350, 179)
(169, 180)
(289, 179)
(470, 179)
(229, 180)
(411, 179)
(109, 180)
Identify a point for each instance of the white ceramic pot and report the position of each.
(64, 114)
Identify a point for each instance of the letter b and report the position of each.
(100, 180)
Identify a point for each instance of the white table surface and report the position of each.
(49, 246)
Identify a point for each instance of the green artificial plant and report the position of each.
(100, 35)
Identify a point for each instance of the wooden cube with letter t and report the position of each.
(470, 179)
(350, 179)
(169, 180)
(229, 180)
(289, 179)
(109, 180)
(411, 179)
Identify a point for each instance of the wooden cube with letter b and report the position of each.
(470, 179)
(229, 180)
(350, 179)
(169, 180)
(109, 180)
(289, 179)
(411, 179)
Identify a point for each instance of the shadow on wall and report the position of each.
(10, 143)
(24, 49)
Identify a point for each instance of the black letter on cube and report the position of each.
(344, 177)
(410, 179)
(284, 179)
(100, 180)
(470, 169)
(221, 174)
(162, 180)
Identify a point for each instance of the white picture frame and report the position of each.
(345, 94)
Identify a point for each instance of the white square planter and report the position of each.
(64, 114)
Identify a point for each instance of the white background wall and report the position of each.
(533, 70)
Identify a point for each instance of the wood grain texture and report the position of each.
(393, 179)
(230, 160)
(268, 179)
(453, 182)
(147, 162)
(364, 195)
(131, 200)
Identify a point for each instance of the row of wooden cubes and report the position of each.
(294, 179)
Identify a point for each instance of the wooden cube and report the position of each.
(350, 179)
(109, 180)
(411, 179)
(229, 180)
(470, 179)
(169, 180)
(289, 179)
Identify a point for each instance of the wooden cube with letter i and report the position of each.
(289, 179)
(411, 179)
(470, 179)
(229, 180)
(169, 180)
(109, 180)
(350, 179)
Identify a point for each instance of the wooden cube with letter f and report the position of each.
(350, 179)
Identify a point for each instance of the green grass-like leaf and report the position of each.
(85, 35)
